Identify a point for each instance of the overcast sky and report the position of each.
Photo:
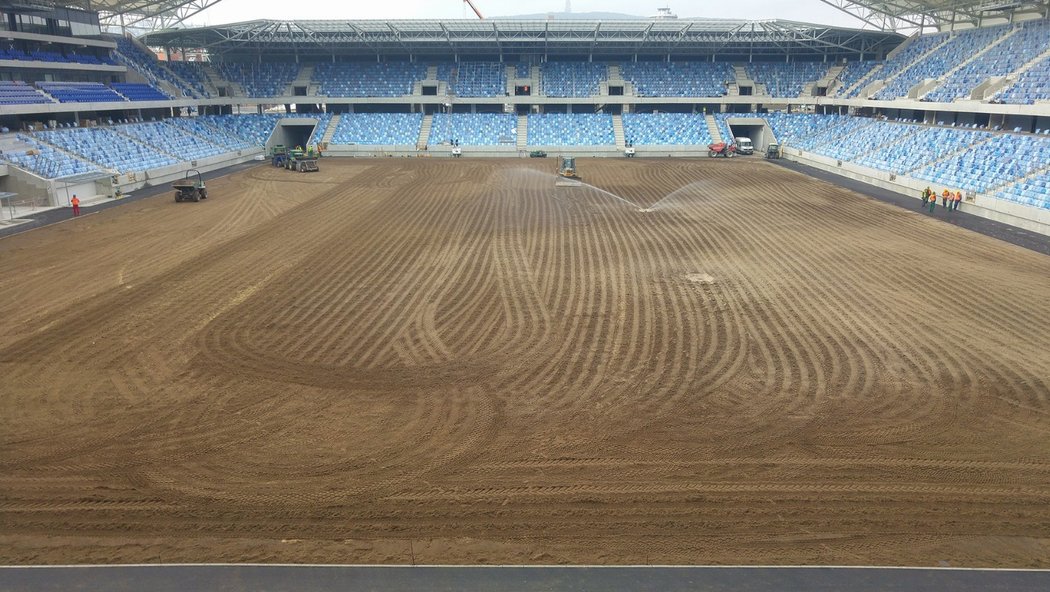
(229, 11)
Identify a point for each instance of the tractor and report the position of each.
(279, 155)
(567, 168)
(537, 154)
(773, 151)
(189, 189)
(302, 161)
(723, 149)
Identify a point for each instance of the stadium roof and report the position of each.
(907, 15)
(506, 37)
(134, 14)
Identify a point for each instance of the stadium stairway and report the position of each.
(740, 78)
(216, 81)
(712, 128)
(523, 132)
(305, 78)
(512, 74)
(826, 81)
(424, 132)
(926, 88)
(332, 126)
(621, 141)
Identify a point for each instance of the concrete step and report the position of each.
(424, 132)
(332, 127)
(621, 140)
(712, 128)
(523, 132)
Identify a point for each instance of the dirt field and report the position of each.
(455, 362)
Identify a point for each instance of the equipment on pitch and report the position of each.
(567, 174)
(189, 190)
(721, 149)
(773, 151)
(303, 161)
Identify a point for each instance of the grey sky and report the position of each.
(242, 10)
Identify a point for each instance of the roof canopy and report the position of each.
(134, 14)
(909, 15)
(506, 37)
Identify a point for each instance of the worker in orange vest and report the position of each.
(75, 202)
(933, 201)
(958, 200)
(944, 197)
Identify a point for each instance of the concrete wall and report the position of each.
(985, 206)
(132, 181)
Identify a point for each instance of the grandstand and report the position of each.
(405, 358)
(582, 85)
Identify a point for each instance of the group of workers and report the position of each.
(949, 200)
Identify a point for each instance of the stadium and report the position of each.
(560, 289)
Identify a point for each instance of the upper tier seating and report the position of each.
(786, 80)
(1031, 86)
(254, 128)
(665, 129)
(20, 93)
(1017, 50)
(172, 139)
(80, 92)
(678, 79)
(378, 129)
(575, 129)
(474, 129)
(72, 57)
(902, 60)
(259, 80)
(852, 74)
(193, 74)
(475, 79)
(216, 135)
(960, 48)
(572, 79)
(45, 160)
(108, 149)
(367, 79)
(139, 92)
(147, 64)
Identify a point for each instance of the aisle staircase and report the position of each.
(712, 128)
(621, 140)
(523, 132)
(424, 132)
(332, 126)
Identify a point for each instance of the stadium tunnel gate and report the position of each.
(293, 131)
(756, 129)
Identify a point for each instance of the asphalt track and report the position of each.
(289, 578)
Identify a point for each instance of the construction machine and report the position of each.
(278, 155)
(567, 168)
(303, 161)
(773, 151)
(721, 149)
(190, 189)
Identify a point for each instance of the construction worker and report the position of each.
(933, 201)
(75, 202)
(925, 197)
(958, 200)
(944, 197)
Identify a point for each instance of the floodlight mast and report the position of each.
(474, 8)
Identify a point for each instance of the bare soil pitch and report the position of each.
(454, 362)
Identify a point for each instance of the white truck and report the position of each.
(744, 146)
